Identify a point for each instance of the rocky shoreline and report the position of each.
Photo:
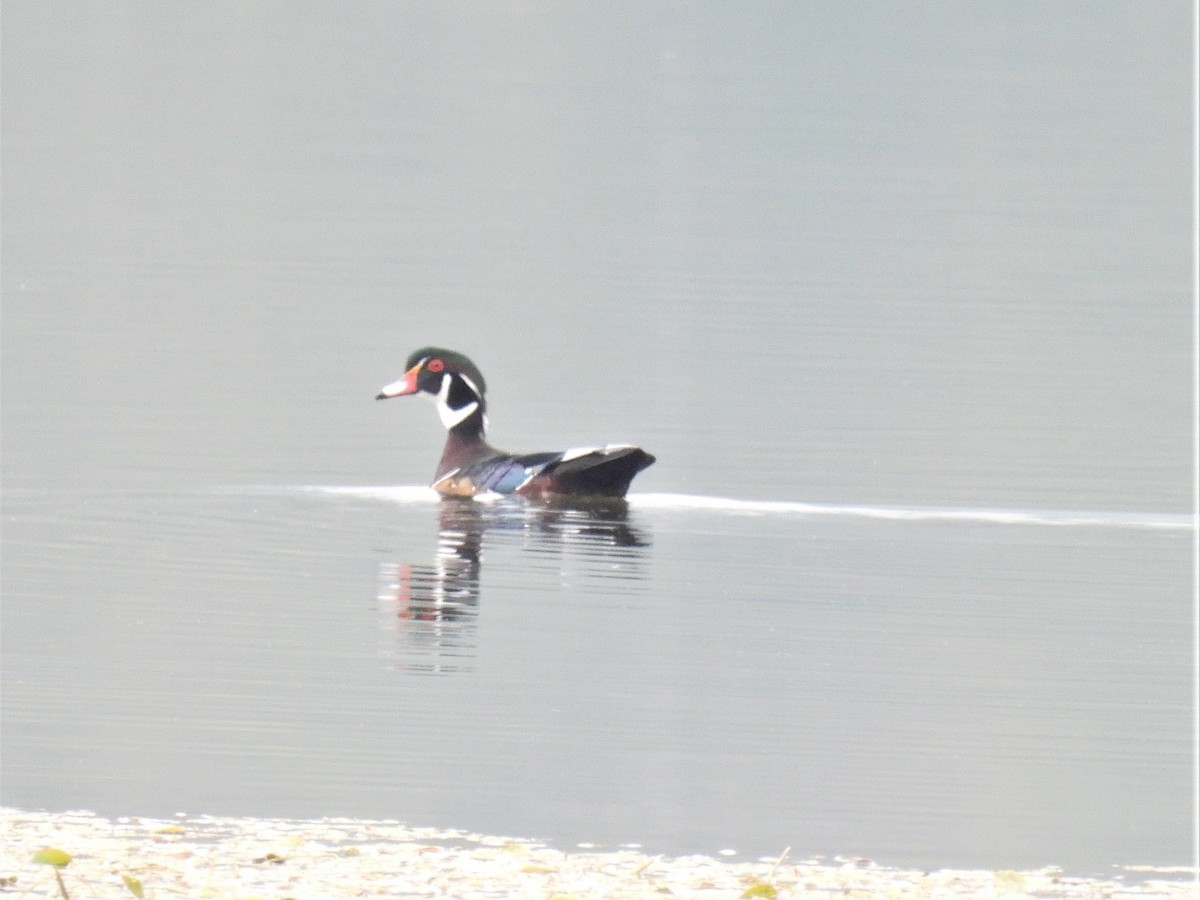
(204, 856)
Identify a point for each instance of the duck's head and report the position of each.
(450, 379)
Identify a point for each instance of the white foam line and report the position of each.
(410, 493)
(402, 493)
(917, 514)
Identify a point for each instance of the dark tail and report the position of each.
(599, 474)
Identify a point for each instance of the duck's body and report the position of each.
(470, 466)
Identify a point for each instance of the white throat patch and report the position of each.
(450, 416)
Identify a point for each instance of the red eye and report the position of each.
(435, 366)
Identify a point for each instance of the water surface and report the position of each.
(901, 294)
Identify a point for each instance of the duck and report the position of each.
(470, 466)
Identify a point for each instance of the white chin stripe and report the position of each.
(452, 417)
(449, 415)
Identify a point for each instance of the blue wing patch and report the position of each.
(505, 474)
(501, 474)
(506, 478)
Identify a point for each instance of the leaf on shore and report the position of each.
(52, 856)
(760, 889)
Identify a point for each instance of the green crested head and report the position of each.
(436, 360)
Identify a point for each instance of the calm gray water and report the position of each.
(899, 295)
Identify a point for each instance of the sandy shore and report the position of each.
(205, 856)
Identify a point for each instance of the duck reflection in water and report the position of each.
(577, 545)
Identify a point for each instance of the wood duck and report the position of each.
(471, 466)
